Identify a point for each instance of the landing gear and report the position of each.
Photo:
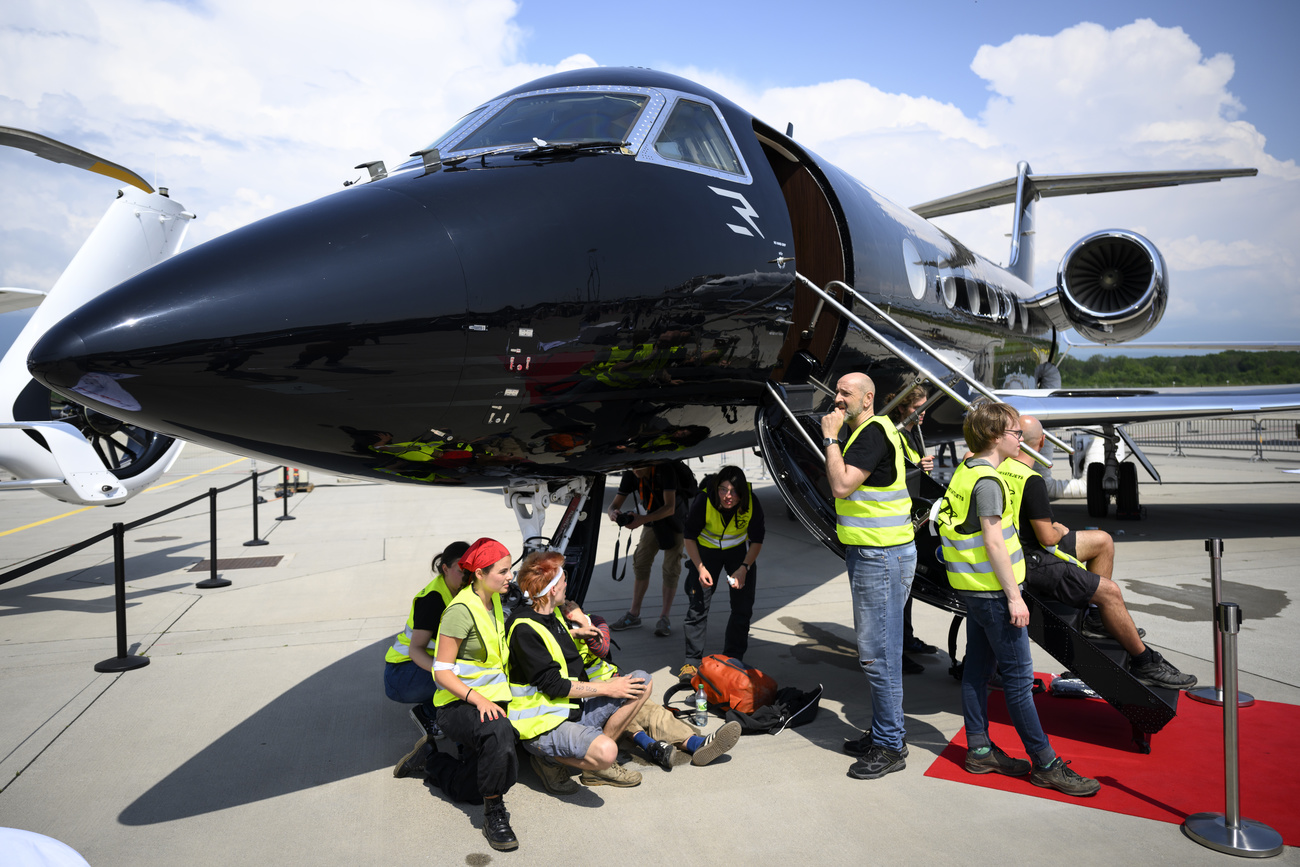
(1113, 479)
(578, 530)
(1127, 504)
(1098, 499)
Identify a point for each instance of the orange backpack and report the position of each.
(729, 685)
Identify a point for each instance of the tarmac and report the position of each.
(259, 731)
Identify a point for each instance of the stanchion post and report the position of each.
(255, 541)
(212, 579)
(1228, 831)
(123, 661)
(284, 493)
(1214, 695)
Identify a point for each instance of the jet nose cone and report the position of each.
(283, 339)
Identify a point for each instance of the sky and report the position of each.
(245, 108)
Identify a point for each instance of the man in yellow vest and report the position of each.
(1052, 570)
(986, 567)
(874, 523)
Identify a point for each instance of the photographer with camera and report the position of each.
(661, 530)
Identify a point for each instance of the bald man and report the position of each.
(1055, 556)
(874, 523)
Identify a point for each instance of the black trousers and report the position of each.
(736, 638)
(490, 758)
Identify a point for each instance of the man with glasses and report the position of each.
(985, 565)
(1055, 558)
(874, 523)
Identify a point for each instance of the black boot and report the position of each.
(496, 825)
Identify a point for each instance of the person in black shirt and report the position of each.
(910, 428)
(661, 530)
(1065, 578)
(724, 533)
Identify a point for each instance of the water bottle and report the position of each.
(701, 717)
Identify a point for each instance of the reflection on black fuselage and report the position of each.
(518, 315)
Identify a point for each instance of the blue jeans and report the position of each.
(880, 580)
(991, 641)
(408, 683)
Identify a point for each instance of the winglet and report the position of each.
(58, 152)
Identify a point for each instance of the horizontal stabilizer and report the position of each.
(1046, 186)
(12, 298)
(58, 152)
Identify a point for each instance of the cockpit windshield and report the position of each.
(564, 116)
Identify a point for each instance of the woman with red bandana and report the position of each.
(473, 693)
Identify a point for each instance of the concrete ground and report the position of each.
(259, 732)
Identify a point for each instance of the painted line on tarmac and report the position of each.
(88, 508)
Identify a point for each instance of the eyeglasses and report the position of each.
(1020, 435)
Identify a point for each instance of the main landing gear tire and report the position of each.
(1098, 499)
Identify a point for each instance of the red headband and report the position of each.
(482, 554)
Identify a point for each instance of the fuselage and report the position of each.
(605, 279)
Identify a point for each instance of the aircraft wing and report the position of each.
(1064, 407)
(18, 299)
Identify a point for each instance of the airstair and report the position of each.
(789, 428)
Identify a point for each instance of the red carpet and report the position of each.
(1183, 774)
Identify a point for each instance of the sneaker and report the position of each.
(687, 672)
(862, 745)
(496, 825)
(717, 744)
(1094, 630)
(665, 755)
(627, 621)
(428, 725)
(614, 775)
(916, 645)
(554, 776)
(911, 666)
(663, 627)
(1058, 776)
(876, 763)
(412, 764)
(1160, 672)
(995, 760)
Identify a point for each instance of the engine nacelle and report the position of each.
(1113, 286)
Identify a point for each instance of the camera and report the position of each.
(624, 518)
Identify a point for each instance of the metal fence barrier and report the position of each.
(1254, 435)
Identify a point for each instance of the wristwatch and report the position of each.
(829, 441)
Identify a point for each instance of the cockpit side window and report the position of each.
(693, 134)
(559, 117)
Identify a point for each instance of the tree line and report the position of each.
(1233, 367)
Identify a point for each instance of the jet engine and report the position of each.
(1113, 286)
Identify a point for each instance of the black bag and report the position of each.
(687, 487)
(791, 708)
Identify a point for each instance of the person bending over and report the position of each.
(986, 567)
(1054, 569)
(473, 693)
(724, 533)
(560, 715)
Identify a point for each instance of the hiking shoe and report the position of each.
(428, 725)
(614, 775)
(911, 666)
(1058, 776)
(717, 744)
(496, 825)
(916, 645)
(1160, 672)
(412, 764)
(555, 777)
(687, 672)
(1095, 630)
(665, 755)
(663, 627)
(995, 760)
(627, 621)
(876, 763)
(862, 745)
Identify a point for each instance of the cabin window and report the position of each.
(694, 134)
(559, 117)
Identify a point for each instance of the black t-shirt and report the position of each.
(873, 452)
(650, 491)
(428, 611)
(531, 662)
(1034, 505)
(695, 519)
